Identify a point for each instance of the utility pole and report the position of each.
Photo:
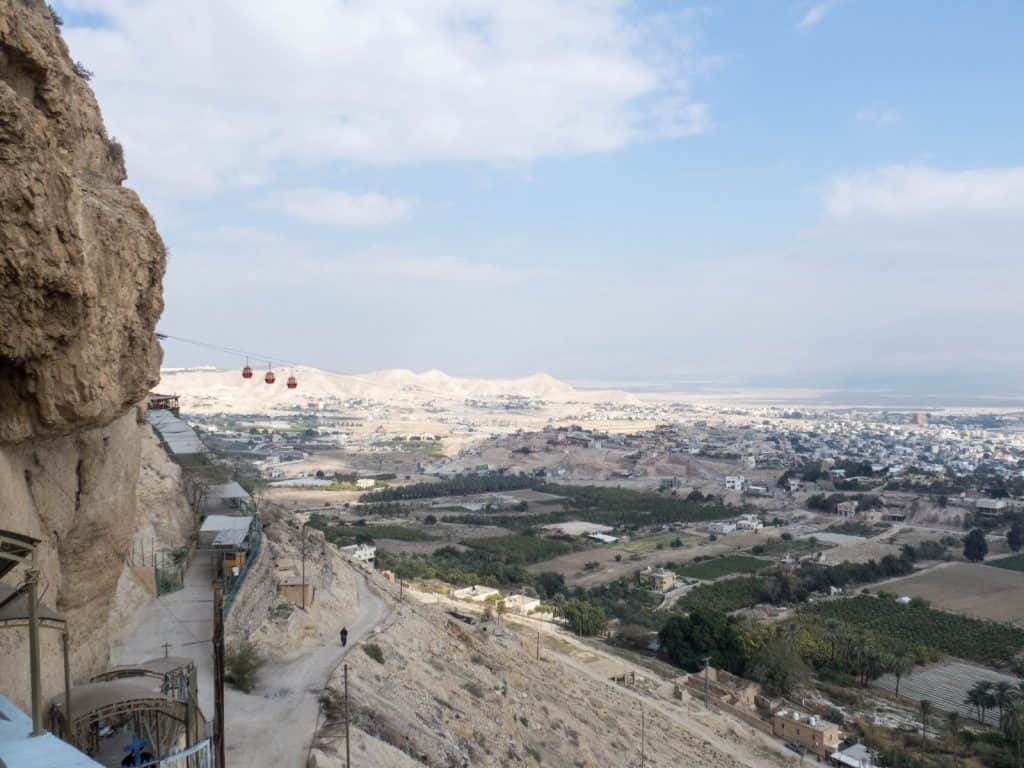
(643, 738)
(218, 670)
(538, 644)
(66, 642)
(346, 717)
(303, 566)
(32, 584)
(167, 649)
(707, 687)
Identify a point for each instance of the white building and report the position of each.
(722, 527)
(735, 482)
(364, 553)
(475, 594)
(365, 483)
(521, 605)
(749, 523)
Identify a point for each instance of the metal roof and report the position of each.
(226, 523)
(230, 538)
(230, 490)
(14, 548)
(92, 696)
(19, 749)
(178, 436)
(14, 606)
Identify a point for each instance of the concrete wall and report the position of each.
(256, 598)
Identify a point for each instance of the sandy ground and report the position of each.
(972, 589)
(571, 565)
(274, 725)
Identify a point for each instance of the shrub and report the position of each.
(374, 652)
(242, 664)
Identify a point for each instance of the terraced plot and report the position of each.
(945, 685)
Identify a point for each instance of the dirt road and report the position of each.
(275, 723)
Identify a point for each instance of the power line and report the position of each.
(241, 353)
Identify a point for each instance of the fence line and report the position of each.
(236, 583)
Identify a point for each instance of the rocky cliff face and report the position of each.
(81, 262)
(81, 266)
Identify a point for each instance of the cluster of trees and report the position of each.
(622, 507)
(831, 502)
(462, 485)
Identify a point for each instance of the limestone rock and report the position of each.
(81, 262)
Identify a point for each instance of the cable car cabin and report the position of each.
(247, 372)
(269, 378)
(292, 382)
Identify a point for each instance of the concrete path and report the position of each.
(184, 619)
(275, 724)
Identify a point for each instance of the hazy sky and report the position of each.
(761, 192)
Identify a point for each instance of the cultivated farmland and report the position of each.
(970, 589)
(1011, 563)
(919, 625)
(945, 685)
(720, 566)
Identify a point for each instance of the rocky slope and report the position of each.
(81, 266)
(448, 695)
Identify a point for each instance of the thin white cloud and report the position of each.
(915, 192)
(815, 15)
(878, 116)
(207, 96)
(340, 209)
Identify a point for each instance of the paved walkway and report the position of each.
(184, 619)
(275, 724)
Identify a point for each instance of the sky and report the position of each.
(759, 194)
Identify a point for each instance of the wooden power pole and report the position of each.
(347, 718)
(218, 671)
(35, 673)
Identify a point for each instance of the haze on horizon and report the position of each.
(780, 194)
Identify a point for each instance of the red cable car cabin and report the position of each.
(247, 372)
(292, 382)
(269, 378)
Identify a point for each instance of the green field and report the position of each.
(1011, 563)
(520, 549)
(917, 624)
(725, 596)
(720, 566)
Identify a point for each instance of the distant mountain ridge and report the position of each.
(228, 388)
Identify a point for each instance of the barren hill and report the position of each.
(227, 391)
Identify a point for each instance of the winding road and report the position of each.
(275, 724)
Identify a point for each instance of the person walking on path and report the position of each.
(344, 636)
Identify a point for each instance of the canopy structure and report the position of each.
(14, 610)
(176, 675)
(157, 717)
(15, 549)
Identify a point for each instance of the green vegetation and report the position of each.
(341, 534)
(859, 528)
(688, 640)
(975, 545)
(720, 566)
(1011, 563)
(625, 600)
(582, 617)
(521, 548)
(242, 663)
(463, 485)
(632, 509)
(374, 652)
(830, 503)
(918, 625)
(723, 596)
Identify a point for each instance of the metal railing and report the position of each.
(233, 584)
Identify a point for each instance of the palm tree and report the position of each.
(901, 664)
(953, 722)
(1002, 695)
(1013, 726)
(832, 635)
(926, 708)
